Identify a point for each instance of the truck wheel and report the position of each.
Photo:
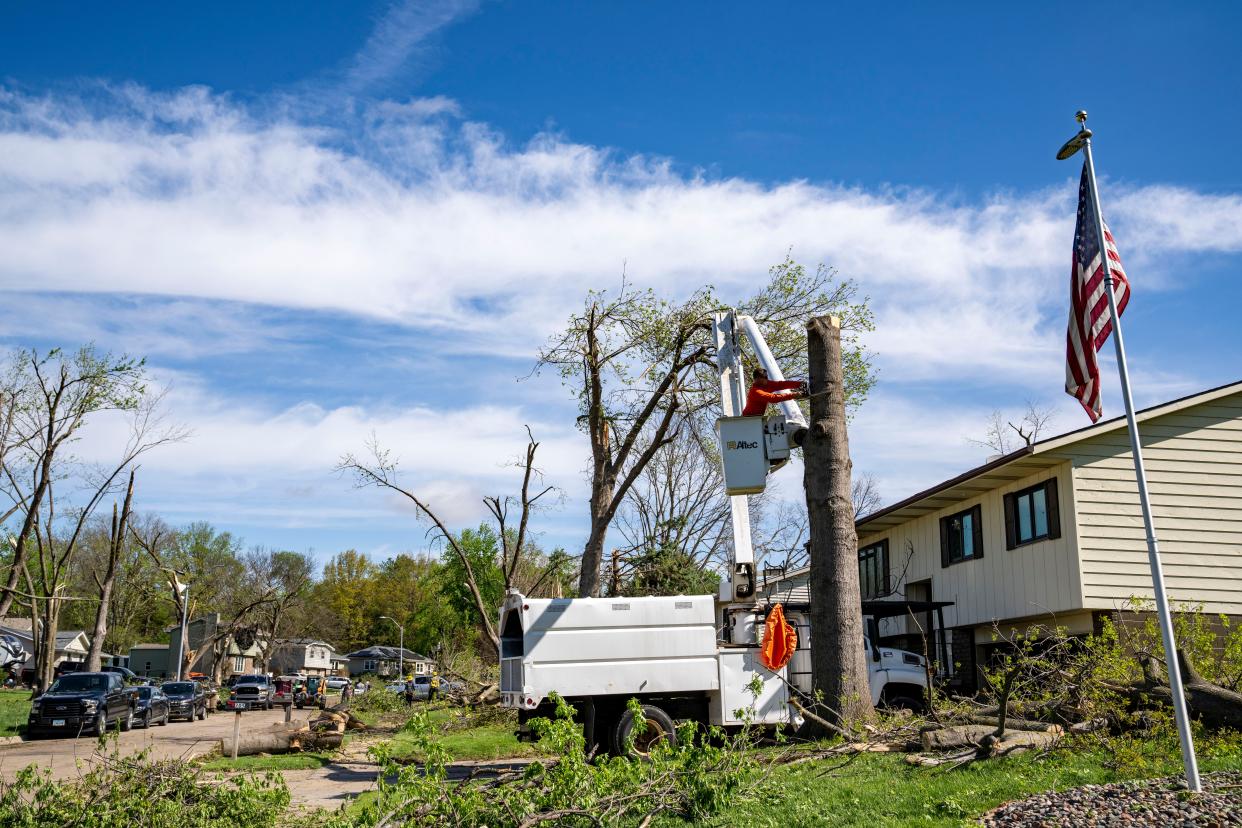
(646, 731)
(101, 723)
(127, 721)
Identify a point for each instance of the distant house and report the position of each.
(71, 645)
(383, 661)
(1053, 534)
(201, 632)
(152, 661)
(307, 656)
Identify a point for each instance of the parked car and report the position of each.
(286, 689)
(66, 667)
(252, 692)
(127, 674)
(336, 683)
(151, 707)
(80, 702)
(419, 687)
(395, 687)
(186, 700)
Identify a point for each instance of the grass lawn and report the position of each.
(489, 741)
(881, 790)
(14, 709)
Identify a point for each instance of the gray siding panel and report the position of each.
(1194, 465)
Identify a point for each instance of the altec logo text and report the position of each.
(741, 444)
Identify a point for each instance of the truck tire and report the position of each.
(101, 723)
(652, 727)
(127, 721)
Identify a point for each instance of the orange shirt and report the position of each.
(761, 395)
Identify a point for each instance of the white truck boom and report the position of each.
(683, 657)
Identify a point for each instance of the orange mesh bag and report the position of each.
(780, 640)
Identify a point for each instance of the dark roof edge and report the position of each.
(948, 484)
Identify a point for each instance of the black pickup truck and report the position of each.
(77, 703)
(186, 700)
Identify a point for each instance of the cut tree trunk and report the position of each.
(1216, 707)
(838, 662)
(281, 738)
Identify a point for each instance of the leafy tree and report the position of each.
(668, 571)
(481, 547)
(346, 594)
(642, 369)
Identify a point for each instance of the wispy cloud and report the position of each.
(400, 38)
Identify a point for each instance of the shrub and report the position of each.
(696, 778)
(136, 790)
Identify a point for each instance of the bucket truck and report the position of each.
(683, 657)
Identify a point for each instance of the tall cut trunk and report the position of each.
(593, 551)
(838, 663)
(116, 545)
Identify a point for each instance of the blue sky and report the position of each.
(321, 220)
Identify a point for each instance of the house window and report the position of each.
(873, 570)
(368, 666)
(239, 664)
(1032, 515)
(961, 536)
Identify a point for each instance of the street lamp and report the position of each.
(400, 647)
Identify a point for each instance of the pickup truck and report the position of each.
(252, 692)
(80, 702)
(186, 700)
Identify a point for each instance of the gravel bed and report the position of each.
(1159, 803)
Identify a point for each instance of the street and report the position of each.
(69, 757)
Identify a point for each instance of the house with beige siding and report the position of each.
(1053, 532)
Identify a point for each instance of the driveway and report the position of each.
(69, 757)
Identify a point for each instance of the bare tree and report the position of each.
(514, 544)
(1002, 435)
(678, 502)
(287, 577)
(117, 538)
(865, 495)
(49, 398)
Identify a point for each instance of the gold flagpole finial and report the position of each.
(1081, 116)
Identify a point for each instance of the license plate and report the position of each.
(58, 722)
(240, 705)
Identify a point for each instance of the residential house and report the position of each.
(71, 645)
(1053, 533)
(307, 656)
(242, 652)
(152, 661)
(383, 662)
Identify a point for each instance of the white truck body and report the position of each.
(652, 647)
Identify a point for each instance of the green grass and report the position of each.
(881, 790)
(490, 741)
(14, 710)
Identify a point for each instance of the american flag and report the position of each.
(1089, 320)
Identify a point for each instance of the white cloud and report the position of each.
(415, 217)
(411, 216)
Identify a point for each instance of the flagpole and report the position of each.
(1180, 712)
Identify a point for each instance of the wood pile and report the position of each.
(324, 732)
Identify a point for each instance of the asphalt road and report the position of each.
(70, 757)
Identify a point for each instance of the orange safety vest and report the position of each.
(780, 640)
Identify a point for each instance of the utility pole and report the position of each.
(400, 647)
(838, 663)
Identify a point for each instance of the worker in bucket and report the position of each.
(764, 392)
